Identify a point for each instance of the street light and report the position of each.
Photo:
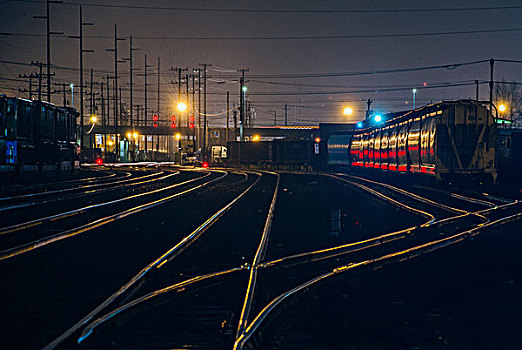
(93, 119)
(182, 106)
(502, 108)
(72, 94)
(378, 118)
(348, 111)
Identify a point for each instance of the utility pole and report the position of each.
(204, 65)
(116, 112)
(102, 103)
(81, 52)
(30, 77)
(228, 115)
(491, 64)
(369, 103)
(286, 115)
(130, 78)
(64, 96)
(47, 17)
(476, 90)
(194, 112)
(199, 106)
(146, 93)
(158, 88)
(275, 118)
(242, 90)
(108, 101)
(91, 104)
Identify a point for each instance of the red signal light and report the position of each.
(191, 125)
(173, 118)
(317, 139)
(155, 124)
(99, 161)
(155, 117)
(204, 165)
(191, 118)
(173, 125)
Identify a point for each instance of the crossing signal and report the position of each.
(155, 124)
(191, 125)
(155, 118)
(173, 125)
(173, 118)
(191, 118)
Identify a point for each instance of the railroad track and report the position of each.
(219, 270)
(142, 288)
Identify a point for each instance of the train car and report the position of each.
(339, 153)
(37, 135)
(443, 140)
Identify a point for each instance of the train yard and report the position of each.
(162, 256)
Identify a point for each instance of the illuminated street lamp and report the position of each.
(348, 111)
(414, 92)
(244, 89)
(93, 119)
(181, 106)
(502, 108)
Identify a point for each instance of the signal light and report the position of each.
(173, 125)
(191, 119)
(173, 118)
(99, 161)
(155, 124)
(377, 118)
(359, 125)
(191, 125)
(155, 117)
(204, 165)
(317, 139)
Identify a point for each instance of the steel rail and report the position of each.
(87, 179)
(179, 287)
(247, 304)
(422, 213)
(400, 256)
(70, 213)
(108, 187)
(79, 188)
(158, 263)
(332, 252)
(411, 195)
(24, 248)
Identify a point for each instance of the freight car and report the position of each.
(36, 135)
(443, 140)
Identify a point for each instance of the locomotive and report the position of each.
(36, 135)
(442, 141)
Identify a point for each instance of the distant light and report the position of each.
(414, 91)
(110, 143)
(244, 89)
(425, 84)
(178, 136)
(71, 85)
(317, 139)
(256, 138)
(359, 125)
(129, 135)
(99, 161)
(378, 118)
(204, 165)
(348, 111)
(182, 106)
(93, 119)
(502, 108)
(135, 135)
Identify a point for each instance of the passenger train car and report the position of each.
(36, 135)
(455, 138)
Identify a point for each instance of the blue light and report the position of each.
(359, 125)
(377, 118)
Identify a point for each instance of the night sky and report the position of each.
(277, 41)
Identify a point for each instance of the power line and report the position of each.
(305, 37)
(331, 11)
